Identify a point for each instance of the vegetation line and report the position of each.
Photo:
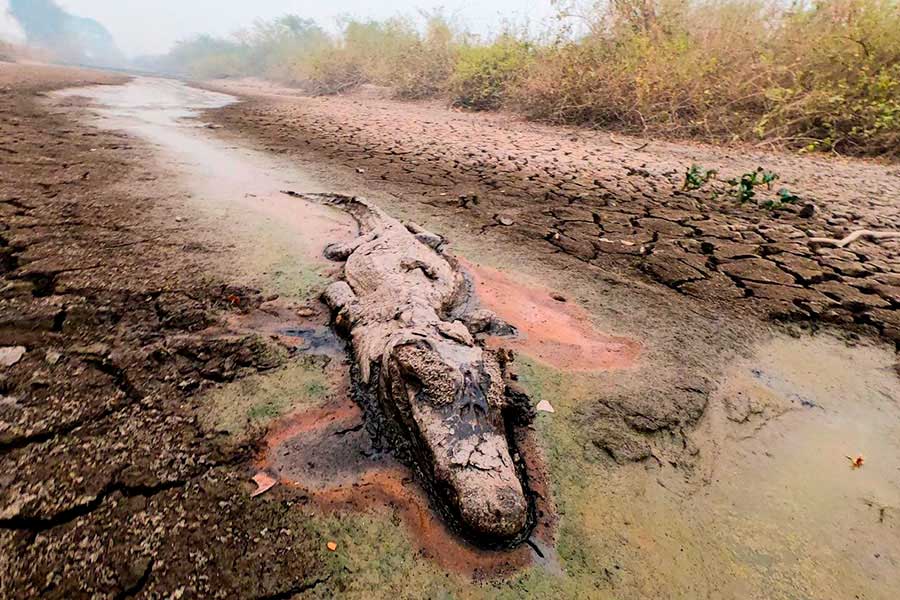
(807, 75)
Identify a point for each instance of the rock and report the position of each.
(305, 312)
(97, 350)
(808, 210)
(466, 199)
(10, 355)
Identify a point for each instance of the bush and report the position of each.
(825, 76)
(820, 76)
(483, 75)
(838, 79)
(676, 69)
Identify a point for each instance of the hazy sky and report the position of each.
(151, 26)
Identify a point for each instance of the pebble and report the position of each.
(10, 355)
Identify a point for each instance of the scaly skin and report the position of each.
(433, 378)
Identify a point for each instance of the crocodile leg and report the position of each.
(342, 301)
(340, 251)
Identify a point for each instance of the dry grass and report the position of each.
(812, 76)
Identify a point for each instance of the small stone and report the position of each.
(807, 211)
(10, 355)
(505, 221)
(96, 350)
(332, 546)
(544, 406)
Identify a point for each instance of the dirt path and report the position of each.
(695, 453)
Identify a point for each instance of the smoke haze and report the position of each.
(153, 27)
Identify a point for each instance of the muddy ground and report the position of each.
(697, 448)
(110, 486)
(619, 204)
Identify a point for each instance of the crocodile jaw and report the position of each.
(453, 396)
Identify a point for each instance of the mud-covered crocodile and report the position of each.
(431, 377)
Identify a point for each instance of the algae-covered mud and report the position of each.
(676, 453)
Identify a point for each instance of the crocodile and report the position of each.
(405, 306)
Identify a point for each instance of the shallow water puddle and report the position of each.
(328, 454)
(244, 183)
(776, 508)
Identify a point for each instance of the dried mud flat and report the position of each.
(617, 203)
(694, 451)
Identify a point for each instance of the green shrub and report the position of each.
(483, 74)
(819, 76)
(838, 72)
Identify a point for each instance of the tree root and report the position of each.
(875, 236)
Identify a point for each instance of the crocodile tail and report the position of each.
(365, 213)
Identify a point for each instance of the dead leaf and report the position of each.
(856, 463)
(264, 483)
(332, 546)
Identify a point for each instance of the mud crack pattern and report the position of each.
(615, 207)
(110, 487)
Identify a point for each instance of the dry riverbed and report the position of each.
(164, 291)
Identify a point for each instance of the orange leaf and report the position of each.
(264, 482)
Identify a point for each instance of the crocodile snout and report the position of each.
(456, 410)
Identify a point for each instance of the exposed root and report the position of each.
(875, 236)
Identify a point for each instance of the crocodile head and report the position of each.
(450, 397)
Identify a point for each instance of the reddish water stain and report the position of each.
(555, 332)
(327, 453)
